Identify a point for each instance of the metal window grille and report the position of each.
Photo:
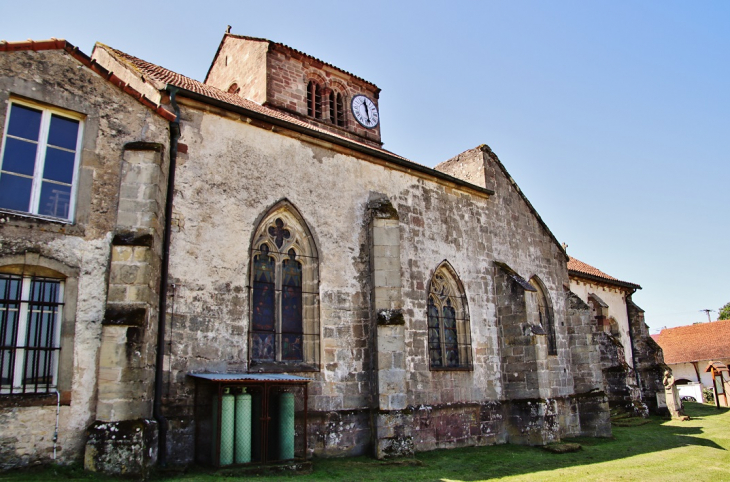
(30, 319)
(281, 342)
(449, 332)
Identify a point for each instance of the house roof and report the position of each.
(698, 342)
(212, 95)
(61, 44)
(288, 49)
(579, 269)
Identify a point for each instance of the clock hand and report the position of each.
(367, 110)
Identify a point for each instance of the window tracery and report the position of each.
(449, 334)
(284, 313)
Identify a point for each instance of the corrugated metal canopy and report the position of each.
(242, 377)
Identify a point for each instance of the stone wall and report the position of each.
(226, 186)
(78, 251)
(648, 357)
(243, 63)
(615, 298)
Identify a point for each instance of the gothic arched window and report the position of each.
(545, 314)
(449, 334)
(284, 312)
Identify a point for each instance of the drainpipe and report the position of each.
(164, 274)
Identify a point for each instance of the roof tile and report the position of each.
(699, 342)
(166, 76)
(578, 267)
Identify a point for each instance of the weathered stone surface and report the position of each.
(79, 252)
(122, 448)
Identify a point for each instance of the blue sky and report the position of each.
(612, 116)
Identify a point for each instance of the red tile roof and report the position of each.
(699, 342)
(61, 44)
(580, 269)
(160, 74)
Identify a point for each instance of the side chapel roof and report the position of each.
(579, 269)
(693, 343)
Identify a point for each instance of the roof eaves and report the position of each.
(61, 44)
(361, 148)
(623, 284)
(290, 49)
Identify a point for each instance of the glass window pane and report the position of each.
(55, 200)
(14, 192)
(19, 156)
(24, 122)
(59, 165)
(63, 132)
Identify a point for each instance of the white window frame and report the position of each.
(37, 178)
(17, 387)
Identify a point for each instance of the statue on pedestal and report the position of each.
(674, 404)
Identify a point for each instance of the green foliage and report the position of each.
(708, 395)
(724, 312)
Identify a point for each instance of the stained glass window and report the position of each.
(449, 338)
(284, 300)
(263, 313)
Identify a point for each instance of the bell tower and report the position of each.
(285, 79)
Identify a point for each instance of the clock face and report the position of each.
(365, 111)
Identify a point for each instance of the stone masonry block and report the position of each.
(121, 253)
(386, 236)
(386, 251)
(390, 279)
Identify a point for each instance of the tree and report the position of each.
(724, 312)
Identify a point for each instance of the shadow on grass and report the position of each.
(476, 463)
(479, 463)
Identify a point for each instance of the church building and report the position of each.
(235, 271)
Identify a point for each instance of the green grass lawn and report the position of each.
(691, 451)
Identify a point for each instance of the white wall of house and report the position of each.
(615, 298)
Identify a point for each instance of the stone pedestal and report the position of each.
(122, 448)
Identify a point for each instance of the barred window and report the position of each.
(284, 292)
(40, 157)
(449, 333)
(30, 325)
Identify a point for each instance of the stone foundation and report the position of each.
(122, 448)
